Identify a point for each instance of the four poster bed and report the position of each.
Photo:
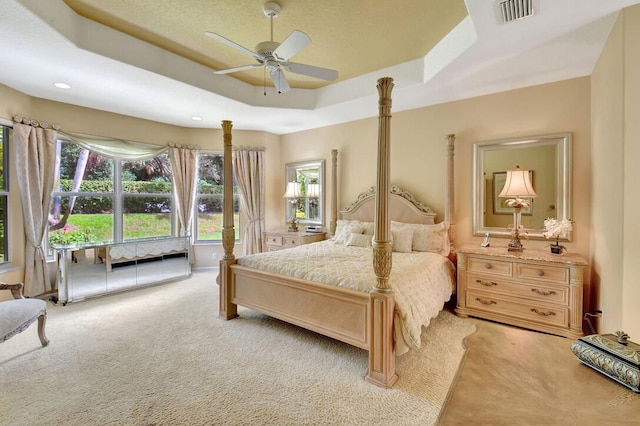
(344, 287)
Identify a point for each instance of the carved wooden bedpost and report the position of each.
(228, 310)
(382, 359)
(449, 204)
(334, 192)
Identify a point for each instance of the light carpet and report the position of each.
(161, 356)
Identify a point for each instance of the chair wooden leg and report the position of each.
(42, 319)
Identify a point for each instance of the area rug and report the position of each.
(161, 356)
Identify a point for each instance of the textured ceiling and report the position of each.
(352, 37)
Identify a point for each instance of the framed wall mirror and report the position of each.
(307, 202)
(548, 158)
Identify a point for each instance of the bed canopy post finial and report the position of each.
(382, 353)
(449, 204)
(334, 192)
(227, 309)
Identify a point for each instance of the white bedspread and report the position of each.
(421, 281)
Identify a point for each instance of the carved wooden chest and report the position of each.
(611, 354)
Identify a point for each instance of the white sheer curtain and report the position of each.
(34, 147)
(248, 165)
(184, 163)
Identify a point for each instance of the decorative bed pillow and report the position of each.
(402, 238)
(433, 238)
(359, 240)
(368, 228)
(344, 228)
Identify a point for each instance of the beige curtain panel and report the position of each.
(34, 147)
(184, 164)
(248, 165)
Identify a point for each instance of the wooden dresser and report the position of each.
(532, 289)
(278, 240)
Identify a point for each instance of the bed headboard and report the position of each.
(403, 207)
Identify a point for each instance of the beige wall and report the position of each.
(616, 131)
(418, 148)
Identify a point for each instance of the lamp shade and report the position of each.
(293, 190)
(313, 190)
(517, 184)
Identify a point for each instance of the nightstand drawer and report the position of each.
(489, 266)
(518, 308)
(542, 273)
(279, 240)
(530, 291)
(274, 240)
(290, 242)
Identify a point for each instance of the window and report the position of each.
(4, 193)
(209, 199)
(99, 199)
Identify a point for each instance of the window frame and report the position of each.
(118, 195)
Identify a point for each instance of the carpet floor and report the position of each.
(161, 356)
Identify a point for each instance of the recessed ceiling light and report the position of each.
(196, 118)
(62, 86)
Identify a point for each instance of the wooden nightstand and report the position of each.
(278, 240)
(532, 289)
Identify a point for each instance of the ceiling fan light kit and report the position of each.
(274, 56)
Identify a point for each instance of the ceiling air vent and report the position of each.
(511, 10)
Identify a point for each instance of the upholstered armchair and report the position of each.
(18, 314)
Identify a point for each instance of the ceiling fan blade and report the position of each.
(242, 68)
(311, 71)
(232, 44)
(280, 81)
(296, 41)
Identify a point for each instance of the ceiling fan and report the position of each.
(274, 56)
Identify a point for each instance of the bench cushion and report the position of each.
(17, 315)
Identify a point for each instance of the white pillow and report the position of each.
(344, 228)
(433, 238)
(402, 238)
(359, 240)
(368, 228)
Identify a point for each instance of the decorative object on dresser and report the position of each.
(557, 229)
(531, 289)
(519, 191)
(278, 240)
(613, 355)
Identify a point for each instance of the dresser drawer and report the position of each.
(530, 291)
(490, 266)
(518, 308)
(542, 273)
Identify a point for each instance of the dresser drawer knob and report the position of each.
(543, 293)
(543, 314)
(486, 283)
(486, 302)
(487, 265)
(540, 272)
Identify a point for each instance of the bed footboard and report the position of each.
(336, 312)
